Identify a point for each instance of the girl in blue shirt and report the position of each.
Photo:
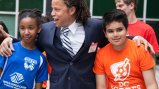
(27, 65)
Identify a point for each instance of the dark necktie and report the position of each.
(66, 41)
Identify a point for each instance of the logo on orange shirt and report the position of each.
(121, 70)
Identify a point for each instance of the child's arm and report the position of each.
(38, 86)
(150, 80)
(100, 81)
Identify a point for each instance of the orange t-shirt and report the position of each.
(44, 84)
(123, 68)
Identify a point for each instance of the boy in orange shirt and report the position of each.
(122, 63)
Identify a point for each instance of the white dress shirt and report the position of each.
(76, 36)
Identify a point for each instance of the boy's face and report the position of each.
(123, 6)
(28, 30)
(116, 33)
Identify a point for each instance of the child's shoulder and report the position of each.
(104, 50)
(135, 47)
(40, 54)
(16, 44)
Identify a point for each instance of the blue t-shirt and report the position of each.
(23, 68)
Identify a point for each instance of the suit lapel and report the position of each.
(51, 33)
(87, 30)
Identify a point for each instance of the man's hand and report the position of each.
(140, 40)
(6, 47)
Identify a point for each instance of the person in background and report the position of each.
(70, 41)
(3, 31)
(27, 64)
(121, 64)
(137, 27)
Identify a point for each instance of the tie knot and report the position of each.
(65, 31)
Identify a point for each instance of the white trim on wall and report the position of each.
(7, 13)
(16, 18)
(144, 10)
(44, 7)
(91, 7)
(146, 19)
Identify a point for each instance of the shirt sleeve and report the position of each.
(151, 38)
(98, 65)
(42, 73)
(146, 60)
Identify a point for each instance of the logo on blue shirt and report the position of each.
(29, 63)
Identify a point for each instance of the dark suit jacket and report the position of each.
(68, 72)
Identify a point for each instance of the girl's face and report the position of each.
(116, 34)
(28, 30)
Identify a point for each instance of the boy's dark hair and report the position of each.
(4, 26)
(82, 10)
(32, 13)
(115, 15)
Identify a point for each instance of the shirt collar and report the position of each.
(73, 27)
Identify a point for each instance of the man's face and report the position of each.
(62, 15)
(122, 6)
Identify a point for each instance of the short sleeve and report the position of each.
(146, 60)
(98, 65)
(42, 73)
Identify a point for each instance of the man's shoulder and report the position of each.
(48, 24)
(94, 20)
(145, 25)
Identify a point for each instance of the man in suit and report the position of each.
(72, 54)
(86, 35)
